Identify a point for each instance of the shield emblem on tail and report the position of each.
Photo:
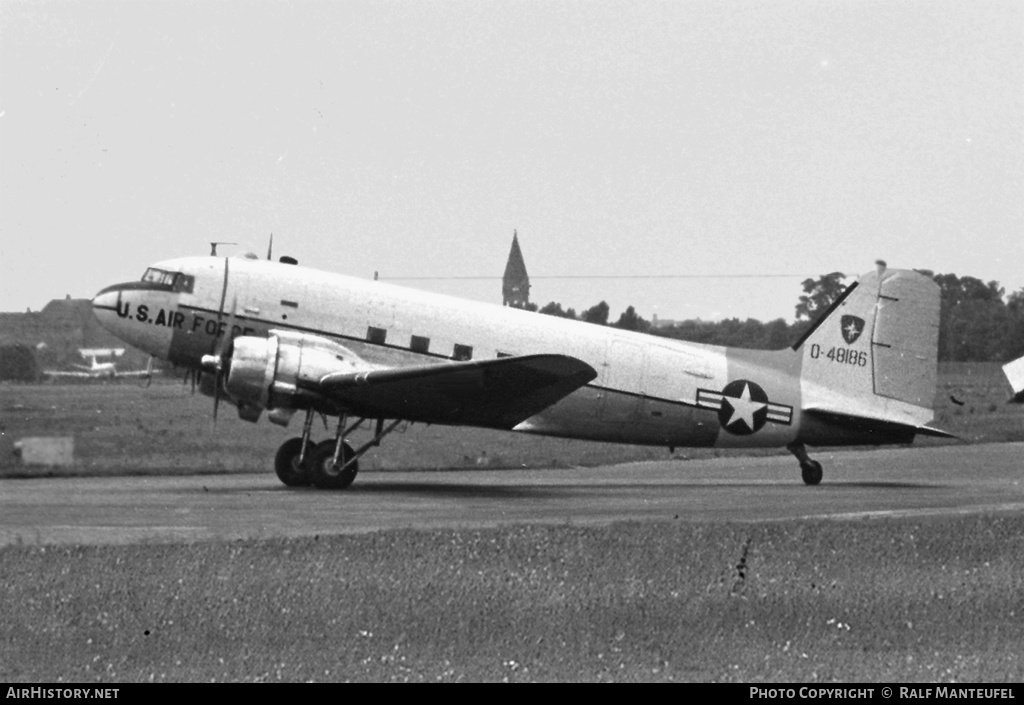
(852, 328)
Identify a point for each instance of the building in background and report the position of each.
(52, 337)
(515, 287)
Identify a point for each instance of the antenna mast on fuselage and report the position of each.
(213, 247)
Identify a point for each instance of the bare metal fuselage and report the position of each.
(649, 390)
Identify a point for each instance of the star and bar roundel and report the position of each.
(743, 407)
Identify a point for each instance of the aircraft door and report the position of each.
(624, 381)
(675, 374)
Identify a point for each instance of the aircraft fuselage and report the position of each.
(649, 390)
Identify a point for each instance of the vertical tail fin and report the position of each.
(875, 353)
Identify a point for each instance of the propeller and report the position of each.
(219, 363)
(149, 372)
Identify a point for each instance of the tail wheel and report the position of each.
(811, 472)
(286, 463)
(323, 472)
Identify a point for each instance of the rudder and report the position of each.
(906, 338)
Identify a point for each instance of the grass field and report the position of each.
(938, 600)
(124, 427)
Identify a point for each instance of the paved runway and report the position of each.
(861, 483)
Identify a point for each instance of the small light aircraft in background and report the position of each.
(96, 369)
(279, 338)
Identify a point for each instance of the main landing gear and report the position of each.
(810, 470)
(327, 465)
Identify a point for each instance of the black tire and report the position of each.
(324, 474)
(286, 463)
(811, 472)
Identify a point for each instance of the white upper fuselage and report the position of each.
(648, 390)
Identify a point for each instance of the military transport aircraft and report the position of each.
(277, 337)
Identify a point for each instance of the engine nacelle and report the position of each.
(283, 370)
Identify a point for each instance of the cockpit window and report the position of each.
(184, 283)
(175, 281)
(158, 276)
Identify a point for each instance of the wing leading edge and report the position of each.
(499, 393)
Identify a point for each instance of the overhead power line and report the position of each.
(609, 276)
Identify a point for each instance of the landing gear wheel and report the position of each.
(324, 474)
(811, 472)
(286, 463)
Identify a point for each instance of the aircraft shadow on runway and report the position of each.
(894, 485)
(554, 491)
(456, 489)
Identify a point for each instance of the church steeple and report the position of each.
(515, 288)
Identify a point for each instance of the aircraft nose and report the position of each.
(106, 302)
(106, 299)
(138, 314)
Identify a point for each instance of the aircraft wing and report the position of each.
(67, 373)
(497, 393)
(101, 352)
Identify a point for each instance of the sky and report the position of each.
(691, 159)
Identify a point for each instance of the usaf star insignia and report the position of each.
(743, 407)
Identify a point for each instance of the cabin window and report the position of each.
(419, 344)
(377, 336)
(462, 352)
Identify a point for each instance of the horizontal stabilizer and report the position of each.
(497, 393)
(884, 430)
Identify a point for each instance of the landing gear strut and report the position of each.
(810, 470)
(328, 473)
(333, 465)
(290, 462)
(328, 465)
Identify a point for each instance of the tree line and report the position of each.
(977, 321)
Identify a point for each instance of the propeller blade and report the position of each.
(226, 340)
(221, 358)
(229, 332)
(216, 401)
